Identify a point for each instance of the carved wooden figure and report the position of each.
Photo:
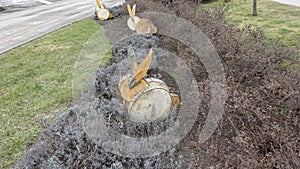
(102, 12)
(146, 99)
(140, 25)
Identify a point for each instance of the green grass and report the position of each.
(278, 20)
(36, 81)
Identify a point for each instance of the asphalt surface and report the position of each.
(19, 27)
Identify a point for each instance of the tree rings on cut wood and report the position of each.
(132, 22)
(145, 26)
(152, 103)
(102, 14)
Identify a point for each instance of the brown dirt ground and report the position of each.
(260, 127)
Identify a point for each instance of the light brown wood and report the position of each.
(127, 93)
(175, 99)
(132, 22)
(129, 10)
(145, 26)
(98, 3)
(143, 67)
(133, 10)
(110, 16)
(102, 14)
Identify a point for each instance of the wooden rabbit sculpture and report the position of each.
(102, 12)
(140, 25)
(146, 99)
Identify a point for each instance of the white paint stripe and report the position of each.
(19, 27)
(44, 2)
(63, 8)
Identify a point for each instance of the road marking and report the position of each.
(44, 2)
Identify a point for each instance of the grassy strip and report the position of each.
(35, 79)
(278, 20)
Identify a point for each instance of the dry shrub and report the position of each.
(260, 128)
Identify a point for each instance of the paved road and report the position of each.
(19, 27)
(289, 2)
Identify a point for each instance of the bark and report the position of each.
(254, 8)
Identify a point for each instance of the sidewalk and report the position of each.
(19, 27)
(289, 2)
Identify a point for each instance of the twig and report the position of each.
(286, 97)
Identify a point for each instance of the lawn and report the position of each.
(36, 81)
(278, 20)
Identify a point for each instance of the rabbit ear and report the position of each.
(133, 10)
(104, 6)
(98, 3)
(129, 9)
(143, 67)
(132, 59)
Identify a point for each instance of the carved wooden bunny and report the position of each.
(140, 25)
(148, 99)
(102, 12)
